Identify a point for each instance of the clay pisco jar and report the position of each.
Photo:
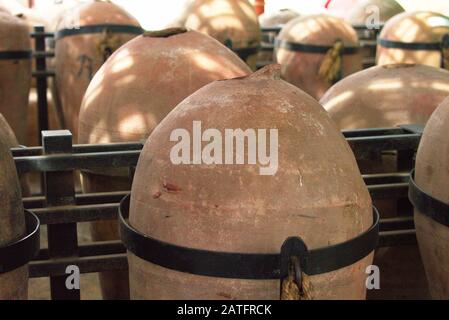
(15, 76)
(316, 51)
(415, 37)
(383, 97)
(210, 205)
(96, 30)
(11, 142)
(14, 283)
(432, 178)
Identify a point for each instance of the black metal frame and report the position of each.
(61, 209)
(41, 74)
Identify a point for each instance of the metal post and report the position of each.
(405, 162)
(60, 191)
(41, 79)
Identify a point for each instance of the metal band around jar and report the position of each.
(246, 265)
(415, 46)
(427, 205)
(98, 28)
(16, 55)
(245, 53)
(22, 251)
(442, 46)
(311, 48)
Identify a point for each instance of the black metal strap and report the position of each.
(429, 46)
(246, 265)
(426, 204)
(98, 28)
(19, 253)
(244, 53)
(311, 48)
(16, 55)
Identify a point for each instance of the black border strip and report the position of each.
(310, 48)
(16, 55)
(243, 265)
(245, 53)
(428, 205)
(21, 252)
(98, 28)
(429, 46)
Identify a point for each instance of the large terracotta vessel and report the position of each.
(387, 96)
(317, 51)
(415, 37)
(134, 90)
(34, 17)
(432, 177)
(11, 142)
(97, 29)
(233, 208)
(15, 75)
(381, 97)
(13, 284)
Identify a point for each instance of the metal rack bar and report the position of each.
(126, 155)
(91, 249)
(103, 206)
(59, 190)
(81, 148)
(41, 81)
(80, 199)
(56, 267)
(397, 238)
(74, 214)
(48, 163)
